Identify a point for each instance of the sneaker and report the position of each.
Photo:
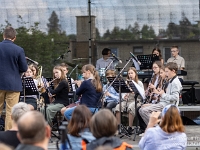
(130, 130)
(142, 134)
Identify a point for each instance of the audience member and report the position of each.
(169, 135)
(104, 126)
(9, 137)
(4, 147)
(78, 127)
(33, 132)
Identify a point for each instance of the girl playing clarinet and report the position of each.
(128, 104)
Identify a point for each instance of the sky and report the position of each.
(109, 13)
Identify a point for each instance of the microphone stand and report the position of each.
(61, 56)
(109, 65)
(120, 96)
(73, 71)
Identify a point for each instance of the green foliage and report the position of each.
(147, 32)
(40, 46)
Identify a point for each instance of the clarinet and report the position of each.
(148, 95)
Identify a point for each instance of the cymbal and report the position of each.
(80, 58)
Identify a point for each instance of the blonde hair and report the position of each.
(96, 81)
(136, 75)
(110, 72)
(63, 76)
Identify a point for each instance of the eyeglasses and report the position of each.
(173, 51)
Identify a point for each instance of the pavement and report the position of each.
(192, 132)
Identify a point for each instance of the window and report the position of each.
(167, 53)
(114, 51)
(137, 50)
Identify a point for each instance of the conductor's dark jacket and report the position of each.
(12, 63)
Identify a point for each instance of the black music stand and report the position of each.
(147, 60)
(29, 87)
(71, 94)
(51, 83)
(138, 91)
(121, 87)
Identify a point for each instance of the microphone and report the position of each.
(116, 58)
(135, 58)
(35, 62)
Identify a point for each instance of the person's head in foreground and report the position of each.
(80, 120)
(33, 130)
(18, 110)
(103, 126)
(168, 135)
(171, 119)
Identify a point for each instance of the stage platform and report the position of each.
(193, 135)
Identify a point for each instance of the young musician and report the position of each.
(129, 100)
(111, 96)
(176, 58)
(90, 90)
(105, 60)
(65, 70)
(171, 96)
(155, 81)
(31, 100)
(60, 94)
(157, 52)
(156, 97)
(35, 70)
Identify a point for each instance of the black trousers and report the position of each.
(142, 124)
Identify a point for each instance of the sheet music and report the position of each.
(139, 89)
(137, 66)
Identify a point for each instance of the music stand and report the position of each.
(138, 91)
(51, 83)
(121, 87)
(29, 87)
(71, 94)
(147, 60)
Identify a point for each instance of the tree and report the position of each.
(106, 36)
(147, 32)
(98, 36)
(185, 27)
(53, 26)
